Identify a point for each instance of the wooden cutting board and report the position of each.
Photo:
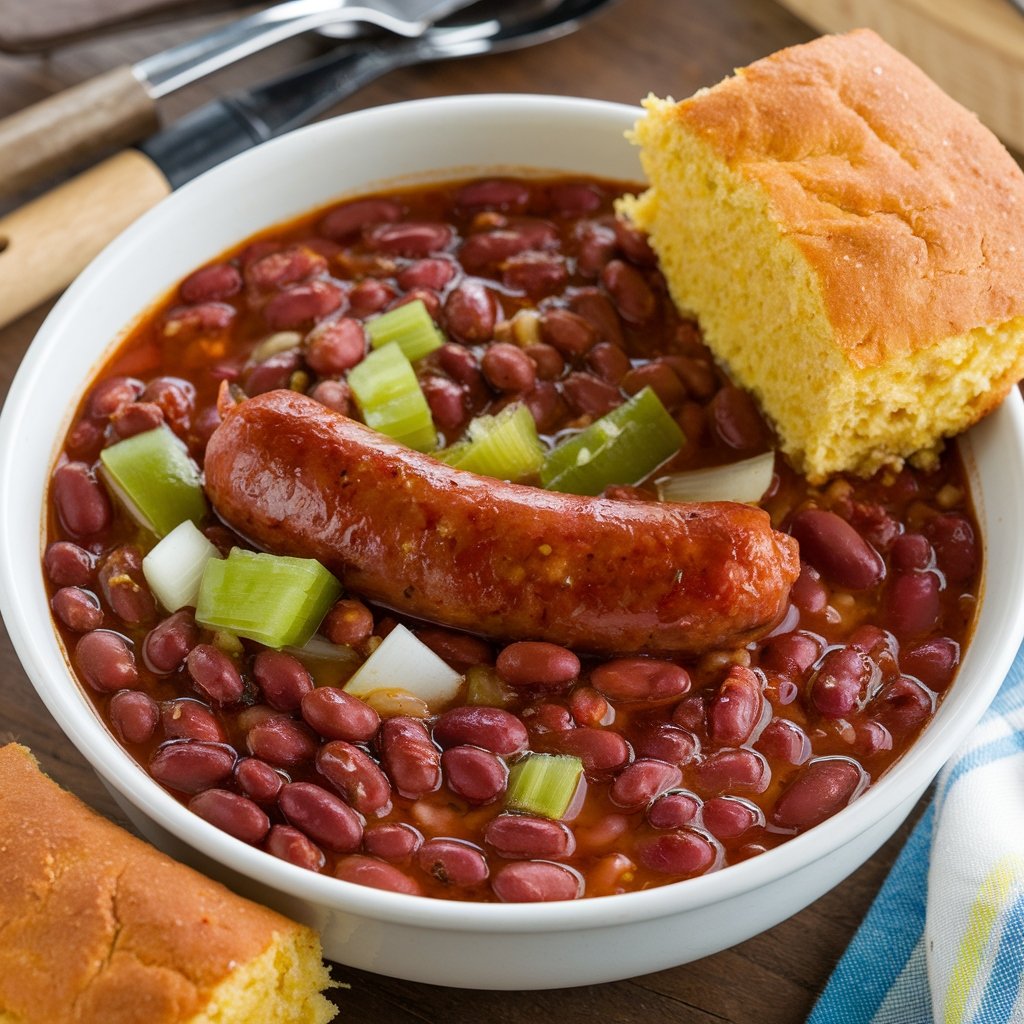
(974, 49)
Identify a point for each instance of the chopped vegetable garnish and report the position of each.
(174, 568)
(505, 446)
(484, 688)
(390, 398)
(404, 662)
(744, 481)
(410, 327)
(156, 479)
(276, 600)
(543, 784)
(621, 447)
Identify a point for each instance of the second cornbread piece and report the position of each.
(851, 240)
(96, 927)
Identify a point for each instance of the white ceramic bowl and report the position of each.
(447, 943)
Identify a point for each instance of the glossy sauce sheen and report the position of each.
(692, 762)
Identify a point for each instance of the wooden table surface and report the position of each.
(669, 47)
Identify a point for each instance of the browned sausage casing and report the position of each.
(498, 559)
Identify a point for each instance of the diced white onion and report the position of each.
(174, 568)
(744, 481)
(403, 662)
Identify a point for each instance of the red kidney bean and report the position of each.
(452, 862)
(808, 593)
(587, 395)
(547, 363)
(596, 245)
(136, 418)
(109, 395)
(878, 644)
(492, 729)
(535, 273)
(665, 742)
(446, 401)
(643, 780)
(79, 610)
(661, 379)
(281, 741)
(461, 365)
(691, 713)
(124, 587)
(68, 565)
(370, 296)
(836, 549)
(600, 750)
(460, 650)
(822, 788)
(596, 308)
(287, 843)
(477, 775)
(106, 661)
(574, 199)
(134, 716)
(325, 818)
(273, 373)
(431, 302)
(392, 840)
(782, 740)
(288, 266)
(536, 663)
(470, 311)
(254, 715)
(282, 679)
(571, 334)
(168, 643)
(348, 622)
(630, 292)
(494, 194)
(434, 273)
(872, 737)
(634, 244)
(640, 679)
(344, 221)
(258, 780)
(337, 715)
(176, 397)
(544, 718)
(912, 603)
(546, 405)
(956, 548)
(413, 239)
(214, 674)
(735, 710)
(376, 874)
(727, 817)
(186, 719)
(217, 281)
(335, 394)
(588, 707)
(523, 837)
(490, 248)
(903, 706)
(791, 653)
(356, 776)
(408, 755)
(683, 852)
(729, 770)
(336, 346)
(840, 682)
(301, 304)
(609, 362)
(536, 881)
(207, 318)
(82, 504)
(190, 766)
(508, 368)
(736, 419)
(698, 376)
(912, 551)
(231, 813)
(933, 662)
(673, 810)
(85, 440)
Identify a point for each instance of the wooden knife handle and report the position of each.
(105, 112)
(47, 242)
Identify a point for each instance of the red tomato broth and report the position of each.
(205, 333)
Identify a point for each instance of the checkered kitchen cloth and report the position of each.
(944, 940)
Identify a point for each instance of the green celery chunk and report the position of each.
(154, 476)
(504, 446)
(276, 600)
(410, 327)
(622, 447)
(390, 398)
(543, 784)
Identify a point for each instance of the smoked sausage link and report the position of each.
(498, 559)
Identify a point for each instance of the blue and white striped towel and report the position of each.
(944, 940)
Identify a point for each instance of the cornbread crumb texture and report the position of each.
(852, 242)
(97, 927)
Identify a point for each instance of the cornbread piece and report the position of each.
(96, 927)
(852, 242)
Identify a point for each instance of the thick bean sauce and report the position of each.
(547, 299)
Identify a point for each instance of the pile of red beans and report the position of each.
(546, 298)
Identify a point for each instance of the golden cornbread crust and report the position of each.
(97, 927)
(851, 240)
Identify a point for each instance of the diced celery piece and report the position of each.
(410, 327)
(504, 446)
(175, 567)
(390, 398)
(156, 479)
(276, 600)
(543, 784)
(622, 447)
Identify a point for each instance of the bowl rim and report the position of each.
(66, 702)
